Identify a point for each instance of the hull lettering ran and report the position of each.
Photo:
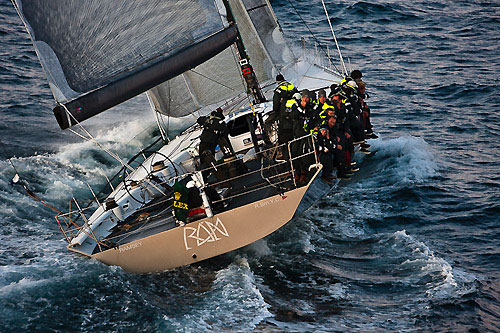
(204, 232)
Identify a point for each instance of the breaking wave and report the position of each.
(232, 301)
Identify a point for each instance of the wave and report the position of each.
(405, 160)
(232, 301)
(382, 12)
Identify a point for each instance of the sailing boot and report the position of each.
(365, 151)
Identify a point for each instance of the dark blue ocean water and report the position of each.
(411, 243)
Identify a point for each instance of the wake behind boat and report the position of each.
(183, 200)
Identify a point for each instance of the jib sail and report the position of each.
(218, 79)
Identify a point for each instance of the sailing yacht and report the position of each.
(190, 57)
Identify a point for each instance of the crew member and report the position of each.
(187, 202)
(326, 148)
(283, 92)
(320, 110)
(365, 109)
(301, 114)
(215, 132)
(339, 158)
(286, 124)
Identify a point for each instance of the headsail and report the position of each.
(215, 80)
(97, 54)
(218, 79)
(262, 36)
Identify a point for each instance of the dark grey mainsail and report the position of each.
(97, 54)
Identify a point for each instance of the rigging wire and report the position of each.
(308, 68)
(157, 117)
(312, 34)
(112, 154)
(334, 38)
(213, 80)
(8, 158)
(17, 180)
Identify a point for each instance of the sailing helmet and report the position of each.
(352, 84)
(305, 93)
(218, 114)
(297, 96)
(349, 86)
(356, 74)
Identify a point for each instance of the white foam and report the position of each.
(453, 283)
(234, 301)
(338, 291)
(415, 161)
(6, 210)
(22, 284)
(259, 247)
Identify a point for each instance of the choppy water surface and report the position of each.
(411, 243)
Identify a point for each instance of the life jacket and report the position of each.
(304, 118)
(286, 90)
(286, 120)
(322, 113)
(181, 196)
(290, 103)
(285, 86)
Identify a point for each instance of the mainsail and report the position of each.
(97, 54)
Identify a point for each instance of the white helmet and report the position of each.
(352, 84)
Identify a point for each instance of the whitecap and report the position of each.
(234, 301)
(259, 248)
(446, 282)
(410, 159)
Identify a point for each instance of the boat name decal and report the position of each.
(268, 202)
(129, 247)
(204, 232)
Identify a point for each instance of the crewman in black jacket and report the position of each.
(283, 92)
(286, 123)
(301, 113)
(326, 148)
(337, 135)
(215, 132)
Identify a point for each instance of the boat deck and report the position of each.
(246, 182)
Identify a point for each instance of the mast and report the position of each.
(246, 67)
